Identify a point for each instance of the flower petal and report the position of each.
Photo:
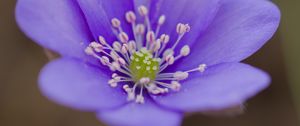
(100, 12)
(240, 28)
(197, 13)
(219, 87)
(78, 85)
(134, 114)
(54, 24)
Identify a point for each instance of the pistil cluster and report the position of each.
(139, 63)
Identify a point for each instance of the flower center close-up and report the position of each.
(139, 64)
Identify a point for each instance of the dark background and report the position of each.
(21, 103)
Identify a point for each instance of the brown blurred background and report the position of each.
(21, 103)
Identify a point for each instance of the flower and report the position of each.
(148, 62)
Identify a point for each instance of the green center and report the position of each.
(144, 65)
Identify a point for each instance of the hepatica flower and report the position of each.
(146, 62)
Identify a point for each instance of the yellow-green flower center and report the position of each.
(143, 65)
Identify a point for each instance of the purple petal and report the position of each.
(147, 114)
(78, 85)
(100, 12)
(197, 13)
(240, 28)
(219, 87)
(54, 24)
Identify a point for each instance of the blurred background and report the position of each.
(21, 103)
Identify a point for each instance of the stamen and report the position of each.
(117, 46)
(116, 23)
(130, 17)
(140, 99)
(124, 49)
(140, 62)
(130, 92)
(112, 83)
(122, 61)
(181, 75)
(143, 10)
(115, 66)
(161, 21)
(114, 55)
(105, 60)
(132, 46)
(164, 39)
(96, 46)
(123, 37)
(89, 51)
(168, 52)
(201, 68)
(150, 37)
(156, 46)
(185, 50)
(102, 40)
(169, 59)
(181, 30)
(175, 85)
(140, 29)
(144, 13)
(144, 80)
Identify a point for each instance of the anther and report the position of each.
(89, 50)
(152, 88)
(114, 55)
(181, 75)
(150, 37)
(130, 17)
(164, 38)
(102, 40)
(185, 50)
(104, 60)
(140, 29)
(126, 88)
(170, 59)
(113, 83)
(143, 11)
(140, 99)
(161, 20)
(132, 46)
(117, 46)
(182, 28)
(115, 66)
(131, 96)
(156, 46)
(97, 47)
(124, 49)
(168, 52)
(114, 75)
(123, 37)
(202, 67)
(175, 85)
(115, 23)
(122, 61)
(144, 80)
(187, 27)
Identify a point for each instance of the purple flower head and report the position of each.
(142, 62)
